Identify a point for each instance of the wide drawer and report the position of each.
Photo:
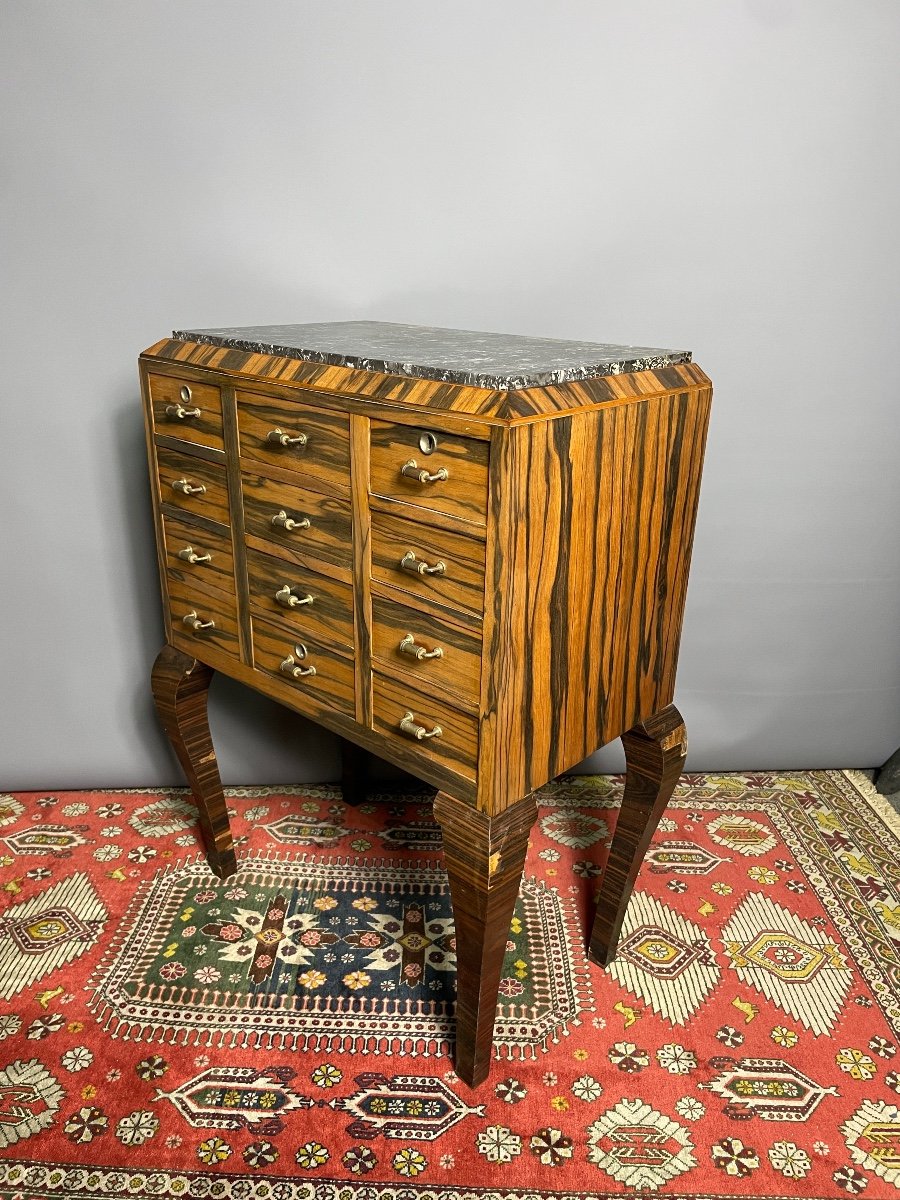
(448, 736)
(295, 519)
(302, 601)
(202, 618)
(436, 564)
(409, 643)
(199, 554)
(291, 434)
(436, 470)
(187, 410)
(307, 666)
(193, 484)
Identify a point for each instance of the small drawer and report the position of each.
(307, 666)
(290, 434)
(202, 618)
(302, 601)
(436, 470)
(193, 484)
(418, 645)
(424, 725)
(198, 554)
(187, 410)
(297, 522)
(428, 562)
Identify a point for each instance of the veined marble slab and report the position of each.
(503, 361)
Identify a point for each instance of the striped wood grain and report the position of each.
(180, 686)
(362, 566)
(322, 462)
(462, 494)
(589, 544)
(492, 406)
(331, 685)
(174, 467)
(327, 616)
(174, 416)
(655, 752)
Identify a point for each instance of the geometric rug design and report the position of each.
(288, 1033)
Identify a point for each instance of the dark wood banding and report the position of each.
(180, 689)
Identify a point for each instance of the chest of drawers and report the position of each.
(464, 553)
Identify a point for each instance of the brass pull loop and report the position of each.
(189, 555)
(189, 489)
(412, 470)
(285, 522)
(279, 438)
(408, 646)
(416, 566)
(289, 665)
(180, 413)
(419, 732)
(197, 623)
(285, 596)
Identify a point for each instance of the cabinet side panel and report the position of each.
(591, 522)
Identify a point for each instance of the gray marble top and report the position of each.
(490, 360)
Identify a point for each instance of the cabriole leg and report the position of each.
(654, 754)
(484, 857)
(180, 690)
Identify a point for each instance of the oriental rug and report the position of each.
(288, 1033)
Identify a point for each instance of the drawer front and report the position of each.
(193, 610)
(456, 669)
(279, 652)
(193, 484)
(436, 470)
(290, 434)
(458, 584)
(301, 601)
(278, 512)
(455, 747)
(199, 555)
(187, 410)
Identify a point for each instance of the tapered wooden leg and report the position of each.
(484, 857)
(180, 689)
(354, 772)
(654, 756)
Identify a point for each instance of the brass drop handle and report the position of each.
(409, 562)
(419, 732)
(189, 489)
(290, 666)
(180, 413)
(190, 555)
(285, 596)
(285, 522)
(279, 438)
(408, 646)
(197, 623)
(412, 470)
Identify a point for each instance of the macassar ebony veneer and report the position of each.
(464, 553)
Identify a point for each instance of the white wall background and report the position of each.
(720, 174)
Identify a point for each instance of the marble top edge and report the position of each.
(504, 362)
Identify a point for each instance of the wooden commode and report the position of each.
(466, 553)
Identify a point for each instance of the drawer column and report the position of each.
(484, 857)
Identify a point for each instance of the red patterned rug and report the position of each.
(287, 1034)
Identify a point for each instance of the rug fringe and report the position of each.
(874, 798)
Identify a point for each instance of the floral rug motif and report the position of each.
(288, 1033)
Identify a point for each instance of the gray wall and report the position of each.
(713, 173)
